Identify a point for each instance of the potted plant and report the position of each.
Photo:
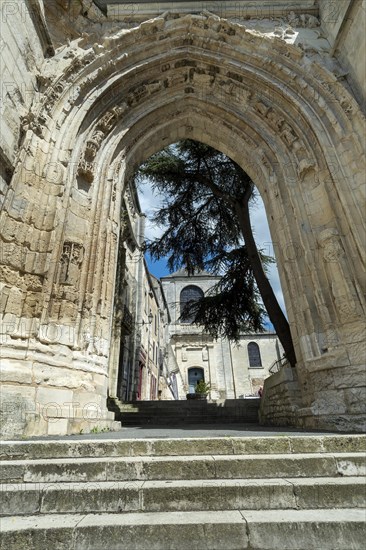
(202, 389)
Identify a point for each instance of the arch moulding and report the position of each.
(281, 116)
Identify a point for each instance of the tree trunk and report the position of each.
(271, 304)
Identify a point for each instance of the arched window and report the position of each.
(254, 355)
(189, 294)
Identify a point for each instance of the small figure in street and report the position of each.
(260, 391)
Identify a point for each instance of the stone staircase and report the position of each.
(278, 492)
(177, 413)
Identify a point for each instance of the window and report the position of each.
(189, 294)
(254, 355)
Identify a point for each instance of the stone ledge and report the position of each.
(341, 529)
(29, 450)
(172, 468)
(158, 496)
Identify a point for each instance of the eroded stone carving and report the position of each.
(93, 144)
(30, 122)
(86, 166)
(275, 119)
(86, 170)
(288, 134)
(109, 120)
(71, 259)
(278, 122)
(261, 108)
(305, 166)
(52, 95)
(130, 202)
(284, 33)
(343, 289)
(303, 20)
(337, 92)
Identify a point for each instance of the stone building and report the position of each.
(128, 281)
(152, 378)
(137, 359)
(88, 93)
(233, 370)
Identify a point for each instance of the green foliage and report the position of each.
(193, 180)
(98, 430)
(233, 305)
(200, 188)
(202, 388)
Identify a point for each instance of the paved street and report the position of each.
(190, 431)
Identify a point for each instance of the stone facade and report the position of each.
(153, 379)
(137, 360)
(282, 96)
(225, 365)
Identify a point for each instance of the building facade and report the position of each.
(152, 378)
(138, 364)
(233, 370)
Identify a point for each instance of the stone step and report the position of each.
(80, 448)
(191, 495)
(186, 406)
(183, 467)
(191, 411)
(342, 529)
(288, 492)
(137, 419)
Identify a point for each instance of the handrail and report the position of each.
(278, 365)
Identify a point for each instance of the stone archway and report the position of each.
(284, 118)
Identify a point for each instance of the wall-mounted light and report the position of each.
(148, 322)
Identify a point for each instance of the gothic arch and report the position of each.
(283, 117)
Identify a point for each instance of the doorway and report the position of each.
(195, 374)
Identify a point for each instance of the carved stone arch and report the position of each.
(247, 159)
(283, 117)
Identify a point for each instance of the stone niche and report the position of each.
(71, 261)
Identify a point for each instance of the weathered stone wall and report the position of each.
(271, 106)
(238, 10)
(41, 391)
(344, 22)
(22, 52)
(281, 399)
